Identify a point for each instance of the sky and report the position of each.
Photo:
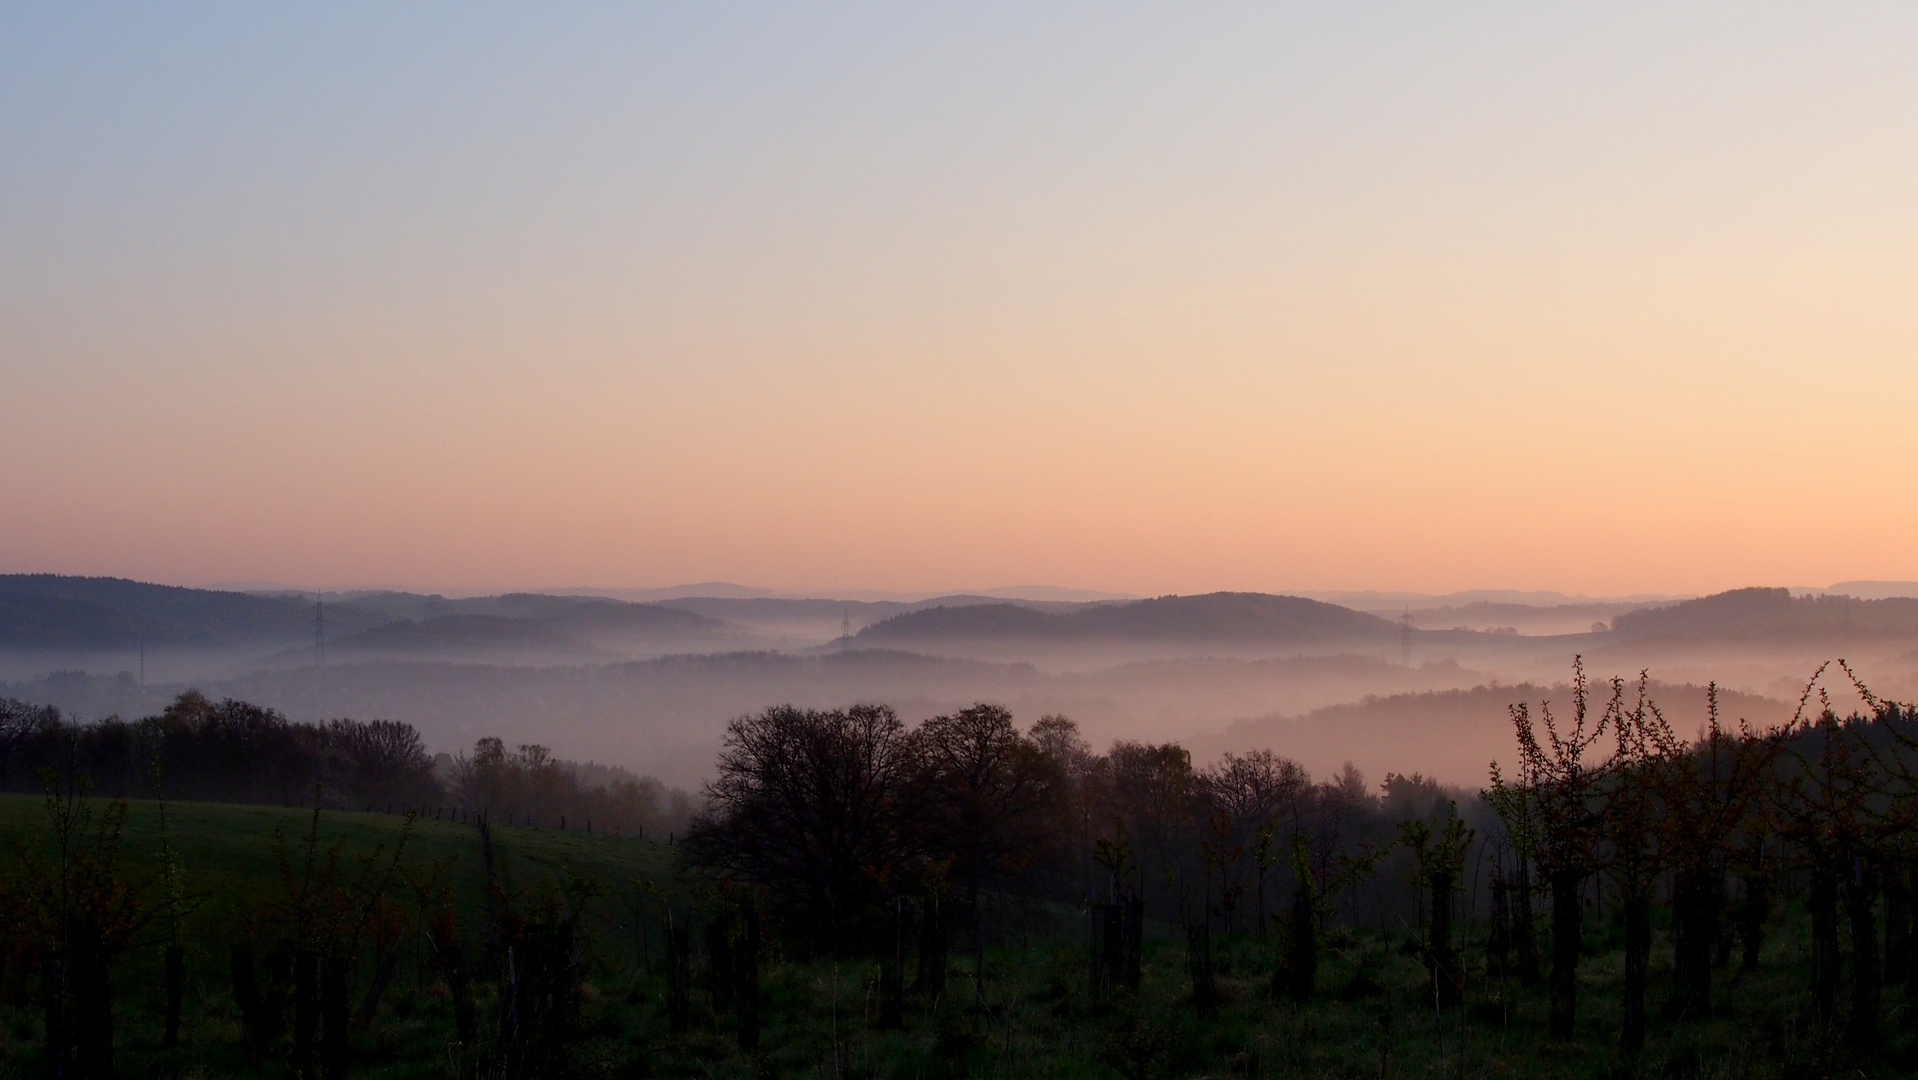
(1605, 298)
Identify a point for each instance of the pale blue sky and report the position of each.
(1594, 297)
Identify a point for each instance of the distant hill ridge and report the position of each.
(56, 612)
(53, 610)
(1762, 615)
(1213, 616)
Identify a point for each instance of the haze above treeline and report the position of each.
(1387, 681)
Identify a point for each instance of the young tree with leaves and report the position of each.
(1636, 857)
(1562, 784)
(1439, 851)
(1706, 794)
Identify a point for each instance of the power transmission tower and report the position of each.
(1405, 637)
(845, 631)
(319, 630)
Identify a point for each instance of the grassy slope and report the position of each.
(230, 851)
(230, 854)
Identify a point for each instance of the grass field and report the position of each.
(1374, 1016)
(229, 851)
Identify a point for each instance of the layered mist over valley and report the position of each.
(1391, 683)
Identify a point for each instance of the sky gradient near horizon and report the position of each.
(1604, 298)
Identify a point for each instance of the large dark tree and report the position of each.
(812, 805)
(1147, 795)
(1250, 801)
(19, 722)
(991, 801)
(389, 763)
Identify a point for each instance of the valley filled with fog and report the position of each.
(1390, 682)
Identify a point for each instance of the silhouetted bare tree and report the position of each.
(812, 805)
(989, 799)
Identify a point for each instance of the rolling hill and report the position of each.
(1453, 735)
(54, 613)
(1772, 616)
(1252, 617)
(454, 633)
(39, 611)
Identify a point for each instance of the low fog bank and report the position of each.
(1453, 736)
(665, 717)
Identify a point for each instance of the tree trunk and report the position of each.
(1134, 939)
(1498, 943)
(1861, 902)
(746, 958)
(1897, 928)
(892, 973)
(246, 994)
(978, 943)
(306, 1011)
(55, 1000)
(1261, 902)
(719, 963)
(1694, 933)
(679, 976)
(1638, 952)
(335, 1015)
(91, 1017)
(1108, 949)
(1752, 914)
(1299, 974)
(1908, 973)
(1442, 958)
(1198, 962)
(1568, 918)
(175, 964)
(1524, 932)
(489, 861)
(1824, 941)
(930, 979)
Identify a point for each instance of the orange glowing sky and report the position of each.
(1605, 299)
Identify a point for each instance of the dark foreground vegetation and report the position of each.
(962, 897)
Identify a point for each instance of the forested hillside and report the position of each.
(1248, 617)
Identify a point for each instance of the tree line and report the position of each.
(235, 751)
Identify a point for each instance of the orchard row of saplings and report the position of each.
(847, 833)
(848, 822)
